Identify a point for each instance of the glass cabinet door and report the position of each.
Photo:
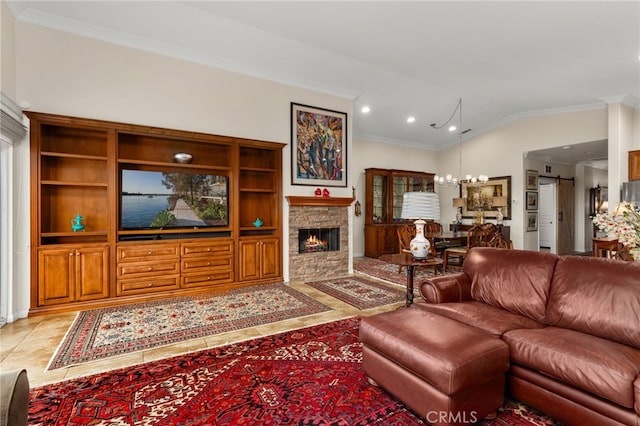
(400, 185)
(379, 196)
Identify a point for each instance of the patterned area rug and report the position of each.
(311, 376)
(389, 272)
(102, 333)
(360, 292)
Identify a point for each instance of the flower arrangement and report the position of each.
(624, 223)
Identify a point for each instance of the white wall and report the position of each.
(7, 52)
(65, 74)
(500, 152)
(14, 189)
(368, 154)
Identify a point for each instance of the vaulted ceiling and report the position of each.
(504, 59)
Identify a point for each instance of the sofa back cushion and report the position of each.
(597, 296)
(515, 280)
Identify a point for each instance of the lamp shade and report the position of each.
(421, 205)
(500, 201)
(459, 202)
(604, 207)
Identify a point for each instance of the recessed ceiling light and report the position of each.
(365, 109)
(452, 128)
(411, 119)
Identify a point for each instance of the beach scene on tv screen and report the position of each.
(172, 200)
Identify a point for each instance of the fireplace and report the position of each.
(312, 240)
(318, 213)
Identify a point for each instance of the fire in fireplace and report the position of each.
(312, 240)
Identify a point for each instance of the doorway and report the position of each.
(547, 219)
(557, 219)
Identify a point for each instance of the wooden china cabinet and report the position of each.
(385, 189)
(77, 169)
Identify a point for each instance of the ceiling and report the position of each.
(504, 59)
(593, 154)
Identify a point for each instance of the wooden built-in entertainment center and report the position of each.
(76, 169)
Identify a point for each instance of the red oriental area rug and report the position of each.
(360, 292)
(311, 376)
(106, 332)
(389, 272)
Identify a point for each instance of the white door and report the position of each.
(547, 220)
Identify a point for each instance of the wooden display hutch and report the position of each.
(385, 189)
(77, 169)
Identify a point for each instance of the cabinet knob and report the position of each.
(150, 253)
(150, 285)
(208, 248)
(150, 268)
(208, 263)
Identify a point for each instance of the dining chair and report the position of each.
(478, 236)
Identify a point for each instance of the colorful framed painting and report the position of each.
(318, 146)
(480, 197)
(531, 179)
(532, 200)
(532, 221)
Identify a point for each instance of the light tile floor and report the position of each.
(30, 343)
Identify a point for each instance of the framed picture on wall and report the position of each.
(532, 221)
(531, 179)
(481, 197)
(318, 146)
(532, 200)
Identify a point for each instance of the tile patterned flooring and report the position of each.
(30, 343)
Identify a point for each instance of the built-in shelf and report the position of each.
(320, 201)
(77, 169)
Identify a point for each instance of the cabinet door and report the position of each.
(91, 273)
(56, 269)
(388, 242)
(270, 258)
(249, 260)
(379, 198)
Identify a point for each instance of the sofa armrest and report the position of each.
(448, 288)
(14, 398)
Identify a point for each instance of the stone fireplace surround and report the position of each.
(312, 212)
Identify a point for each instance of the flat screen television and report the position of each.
(172, 200)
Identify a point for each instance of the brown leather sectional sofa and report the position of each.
(571, 325)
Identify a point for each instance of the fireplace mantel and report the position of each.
(320, 201)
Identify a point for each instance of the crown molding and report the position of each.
(11, 128)
(628, 100)
(79, 28)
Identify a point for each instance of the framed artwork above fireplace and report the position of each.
(318, 146)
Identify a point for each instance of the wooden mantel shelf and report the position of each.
(320, 201)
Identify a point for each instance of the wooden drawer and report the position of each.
(193, 264)
(145, 252)
(212, 277)
(148, 268)
(148, 285)
(208, 247)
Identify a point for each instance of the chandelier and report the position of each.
(449, 179)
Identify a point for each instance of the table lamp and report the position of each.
(499, 203)
(459, 203)
(420, 206)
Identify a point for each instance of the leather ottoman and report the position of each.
(453, 374)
